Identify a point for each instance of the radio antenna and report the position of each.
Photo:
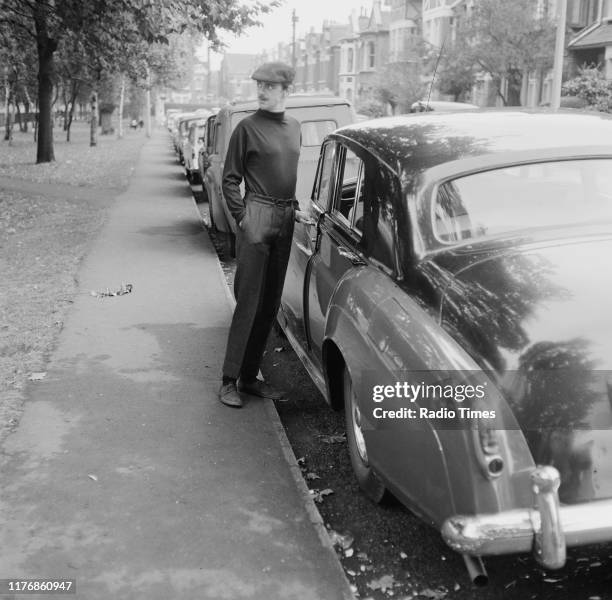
(433, 77)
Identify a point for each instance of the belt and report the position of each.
(270, 199)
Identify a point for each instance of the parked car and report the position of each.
(318, 115)
(191, 147)
(205, 151)
(183, 131)
(439, 105)
(453, 297)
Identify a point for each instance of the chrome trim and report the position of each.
(547, 530)
(549, 543)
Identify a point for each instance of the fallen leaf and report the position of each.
(344, 541)
(403, 555)
(434, 594)
(37, 376)
(348, 552)
(311, 476)
(278, 349)
(319, 495)
(384, 583)
(93, 477)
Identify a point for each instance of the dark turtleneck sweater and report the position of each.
(263, 150)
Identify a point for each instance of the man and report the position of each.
(263, 151)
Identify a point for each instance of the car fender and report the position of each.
(387, 332)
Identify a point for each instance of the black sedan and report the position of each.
(453, 295)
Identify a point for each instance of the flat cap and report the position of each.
(274, 72)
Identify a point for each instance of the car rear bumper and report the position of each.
(546, 530)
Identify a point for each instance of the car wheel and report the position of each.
(367, 479)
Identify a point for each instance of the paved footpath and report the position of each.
(126, 473)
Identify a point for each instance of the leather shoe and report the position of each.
(261, 389)
(228, 394)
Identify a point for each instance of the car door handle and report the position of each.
(350, 255)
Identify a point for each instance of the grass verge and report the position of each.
(49, 216)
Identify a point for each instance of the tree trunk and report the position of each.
(36, 119)
(7, 91)
(73, 97)
(18, 115)
(28, 104)
(65, 117)
(46, 47)
(148, 104)
(7, 116)
(93, 134)
(10, 119)
(121, 100)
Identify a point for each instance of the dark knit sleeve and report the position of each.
(233, 173)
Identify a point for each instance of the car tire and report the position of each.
(368, 481)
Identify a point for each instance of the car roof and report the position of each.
(293, 101)
(418, 141)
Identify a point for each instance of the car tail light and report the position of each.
(487, 447)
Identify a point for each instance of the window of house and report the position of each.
(349, 62)
(371, 55)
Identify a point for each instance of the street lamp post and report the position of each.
(555, 100)
(294, 20)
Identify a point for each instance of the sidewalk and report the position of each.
(126, 473)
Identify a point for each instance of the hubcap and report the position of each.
(359, 439)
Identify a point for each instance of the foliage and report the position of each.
(504, 40)
(591, 86)
(399, 85)
(80, 41)
(456, 72)
(370, 109)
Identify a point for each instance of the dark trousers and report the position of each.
(263, 245)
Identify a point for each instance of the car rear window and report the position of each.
(314, 132)
(517, 198)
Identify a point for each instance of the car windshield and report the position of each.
(505, 201)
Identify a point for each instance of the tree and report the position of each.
(110, 27)
(456, 73)
(506, 40)
(399, 86)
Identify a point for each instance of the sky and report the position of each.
(276, 26)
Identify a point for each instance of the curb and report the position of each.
(313, 512)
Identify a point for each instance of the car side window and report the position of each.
(381, 188)
(349, 199)
(324, 179)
